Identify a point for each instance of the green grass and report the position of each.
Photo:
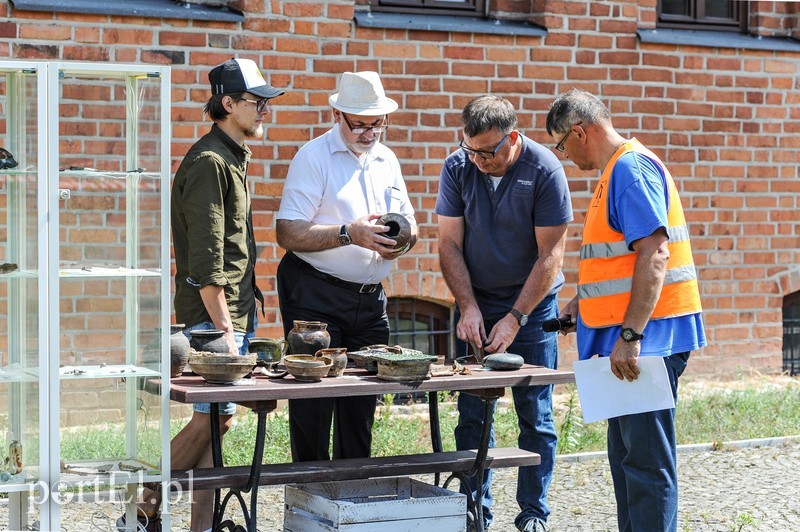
(757, 408)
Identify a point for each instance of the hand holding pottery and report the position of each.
(399, 228)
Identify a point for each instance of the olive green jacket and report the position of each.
(212, 231)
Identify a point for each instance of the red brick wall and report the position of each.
(724, 121)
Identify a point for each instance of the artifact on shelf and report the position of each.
(14, 455)
(7, 160)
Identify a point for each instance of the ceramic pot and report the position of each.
(338, 356)
(307, 368)
(209, 341)
(178, 350)
(269, 350)
(308, 337)
(399, 228)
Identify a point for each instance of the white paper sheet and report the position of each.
(604, 396)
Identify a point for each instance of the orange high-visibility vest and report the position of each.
(605, 271)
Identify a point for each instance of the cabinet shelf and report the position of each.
(21, 482)
(108, 472)
(17, 374)
(19, 274)
(99, 271)
(128, 371)
(92, 172)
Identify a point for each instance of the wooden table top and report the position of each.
(355, 381)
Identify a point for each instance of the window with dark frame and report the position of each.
(791, 334)
(472, 8)
(419, 324)
(720, 15)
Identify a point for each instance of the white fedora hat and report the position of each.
(361, 93)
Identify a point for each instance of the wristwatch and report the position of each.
(344, 236)
(629, 335)
(522, 319)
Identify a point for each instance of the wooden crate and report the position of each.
(398, 504)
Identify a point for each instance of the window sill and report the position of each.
(445, 23)
(134, 8)
(718, 39)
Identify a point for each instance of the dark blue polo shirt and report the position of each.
(499, 239)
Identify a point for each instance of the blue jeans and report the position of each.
(242, 339)
(534, 407)
(641, 453)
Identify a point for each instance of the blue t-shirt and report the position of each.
(499, 241)
(638, 200)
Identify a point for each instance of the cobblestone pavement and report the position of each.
(753, 487)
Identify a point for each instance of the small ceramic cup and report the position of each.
(269, 350)
(339, 357)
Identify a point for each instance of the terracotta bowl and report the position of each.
(307, 368)
(221, 369)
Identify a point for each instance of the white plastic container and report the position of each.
(398, 504)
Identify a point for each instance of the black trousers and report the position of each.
(354, 320)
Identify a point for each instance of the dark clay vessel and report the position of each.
(399, 228)
(308, 337)
(209, 341)
(178, 350)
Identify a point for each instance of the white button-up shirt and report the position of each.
(329, 185)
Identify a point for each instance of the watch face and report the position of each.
(523, 320)
(344, 238)
(627, 335)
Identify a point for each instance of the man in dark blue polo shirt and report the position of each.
(503, 208)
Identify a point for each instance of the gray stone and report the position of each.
(503, 361)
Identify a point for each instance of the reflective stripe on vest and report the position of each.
(605, 271)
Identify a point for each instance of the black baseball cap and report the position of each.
(240, 75)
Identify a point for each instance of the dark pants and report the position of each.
(354, 320)
(534, 408)
(643, 458)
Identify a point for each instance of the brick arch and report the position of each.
(789, 281)
(428, 285)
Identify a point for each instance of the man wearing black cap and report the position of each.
(215, 252)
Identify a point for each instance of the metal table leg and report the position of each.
(261, 409)
(489, 398)
(436, 431)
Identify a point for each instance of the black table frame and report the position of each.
(488, 387)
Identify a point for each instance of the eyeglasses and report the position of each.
(560, 145)
(484, 154)
(360, 130)
(261, 104)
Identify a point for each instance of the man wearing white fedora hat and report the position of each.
(337, 186)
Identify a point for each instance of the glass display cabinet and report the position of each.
(84, 290)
